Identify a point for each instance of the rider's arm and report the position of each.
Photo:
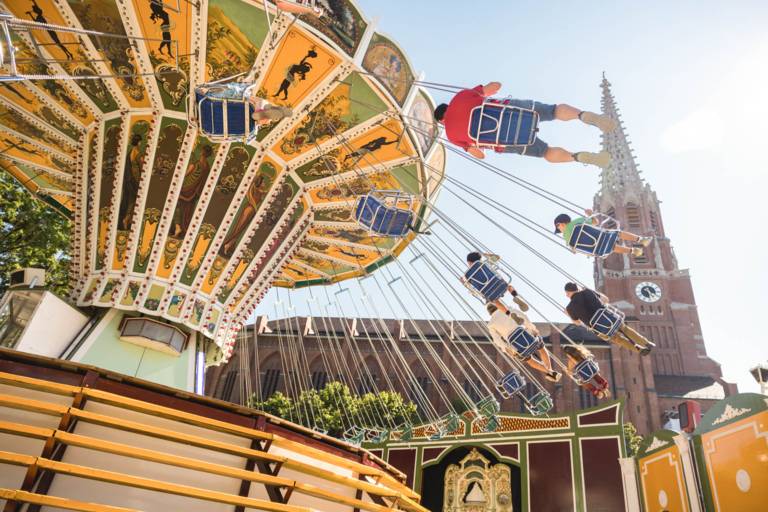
(491, 88)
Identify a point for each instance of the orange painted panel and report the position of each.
(736, 457)
(661, 476)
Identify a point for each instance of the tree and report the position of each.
(335, 409)
(631, 439)
(32, 234)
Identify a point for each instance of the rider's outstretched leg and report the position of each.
(642, 344)
(557, 155)
(565, 112)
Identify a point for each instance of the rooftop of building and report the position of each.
(689, 387)
(417, 329)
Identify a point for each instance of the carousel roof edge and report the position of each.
(71, 373)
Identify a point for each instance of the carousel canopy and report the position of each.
(171, 223)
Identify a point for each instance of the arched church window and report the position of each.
(318, 373)
(272, 373)
(472, 390)
(654, 222)
(586, 399)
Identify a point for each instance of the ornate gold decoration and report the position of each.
(218, 266)
(121, 243)
(170, 252)
(475, 486)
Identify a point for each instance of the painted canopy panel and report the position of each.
(178, 225)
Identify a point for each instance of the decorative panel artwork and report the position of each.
(177, 224)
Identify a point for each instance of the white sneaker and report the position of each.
(553, 376)
(604, 123)
(645, 241)
(520, 303)
(601, 159)
(637, 252)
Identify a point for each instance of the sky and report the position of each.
(690, 79)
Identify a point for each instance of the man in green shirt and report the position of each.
(565, 225)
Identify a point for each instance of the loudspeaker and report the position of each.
(690, 415)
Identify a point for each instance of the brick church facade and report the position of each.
(656, 295)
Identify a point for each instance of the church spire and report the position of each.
(623, 172)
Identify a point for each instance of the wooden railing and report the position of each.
(383, 490)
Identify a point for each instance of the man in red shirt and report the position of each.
(456, 115)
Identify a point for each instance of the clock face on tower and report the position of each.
(648, 291)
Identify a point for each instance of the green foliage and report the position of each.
(32, 234)
(334, 408)
(631, 439)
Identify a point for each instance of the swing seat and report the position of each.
(495, 124)
(223, 112)
(488, 406)
(438, 434)
(593, 240)
(485, 281)
(585, 371)
(378, 211)
(606, 321)
(511, 384)
(524, 343)
(492, 424)
(539, 404)
(376, 436)
(354, 435)
(406, 433)
(451, 423)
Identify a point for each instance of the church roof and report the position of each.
(689, 387)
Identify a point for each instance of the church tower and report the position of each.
(656, 295)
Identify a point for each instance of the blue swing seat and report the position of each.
(511, 384)
(606, 321)
(485, 281)
(524, 343)
(593, 240)
(495, 124)
(585, 371)
(373, 212)
(223, 112)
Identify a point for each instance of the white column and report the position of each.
(629, 478)
(689, 473)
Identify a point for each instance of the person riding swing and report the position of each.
(583, 368)
(592, 310)
(487, 283)
(513, 333)
(589, 236)
(473, 120)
